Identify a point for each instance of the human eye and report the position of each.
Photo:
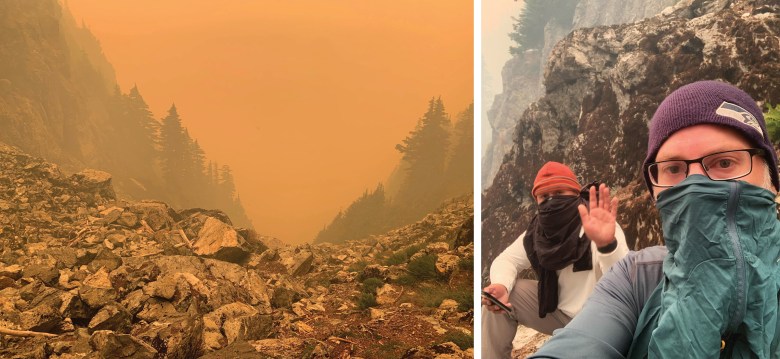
(724, 162)
(671, 168)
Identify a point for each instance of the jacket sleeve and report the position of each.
(510, 262)
(606, 260)
(605, 326)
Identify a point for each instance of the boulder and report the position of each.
(109, 344)
(178, 339)
(446, 263)
(134, 301)
(387, 294)
(73, 307)
(96, 290)
(44, 269)
(373, 271)
(42, 318)
(219, 240)
(446, 309)
(13, 271)
(157, 310)
(105, 259)
(128, 219)
(6, 282)
(465, 234)
(437, 248)
(270, 347)
(164, 287)
(234, 321)
(110, 215)
(302, 264)
(157, 215)
(284, 297)
(94, 182)
(377, 314)
(112, 317)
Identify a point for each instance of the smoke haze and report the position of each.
(303, 99)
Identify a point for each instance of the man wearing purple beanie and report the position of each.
(712, 291)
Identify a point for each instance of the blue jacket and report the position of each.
(719, 292)
(605, 326)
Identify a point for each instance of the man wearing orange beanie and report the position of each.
(568, 245)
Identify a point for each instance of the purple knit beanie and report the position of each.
(712, 102)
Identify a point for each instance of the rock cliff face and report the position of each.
(54, 92)
(590, 13)
(602, 86)
(108, 278)
(522, 75)
(59, 100)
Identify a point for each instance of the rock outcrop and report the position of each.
(602, 86)
(111, 278)
(522, 75)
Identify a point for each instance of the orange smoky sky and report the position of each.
(304, 99)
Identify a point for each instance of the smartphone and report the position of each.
(495, 301)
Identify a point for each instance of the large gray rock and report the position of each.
(13, 271)
(94, 182)
(164, 287)
(157, 215)
(180, 339)
(134, 301)
(522, 75)
(108, 344)
(157, 310)
(590, 13)
(234, 321)
(112, 317)
(42, 318)
(219, 240)
(235, 283)
(105, 259)
(97, 290)
(44, 269)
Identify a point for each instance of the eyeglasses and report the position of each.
(719, 166)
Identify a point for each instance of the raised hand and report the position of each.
(598, 221)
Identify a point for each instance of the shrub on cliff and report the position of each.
(772, 118)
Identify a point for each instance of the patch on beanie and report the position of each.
(733, 111)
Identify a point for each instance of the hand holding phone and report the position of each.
(495, 301)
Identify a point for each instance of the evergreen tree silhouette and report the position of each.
(425, 151)
(174, 152)
(460, 165)
(226, 184)
(365, 216)
(140, 113)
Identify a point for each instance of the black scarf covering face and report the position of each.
(553, 242)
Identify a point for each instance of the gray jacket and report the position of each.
(605, 326)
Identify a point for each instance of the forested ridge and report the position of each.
(436, 165)
(59, 100)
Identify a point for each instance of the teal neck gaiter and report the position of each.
(721, 273)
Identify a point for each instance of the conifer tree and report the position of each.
(460, 166)
(226, 184)
(139, 111)
(174, 149)
(198, 159)
(365, 216)
(425, 152)
(529, 26)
